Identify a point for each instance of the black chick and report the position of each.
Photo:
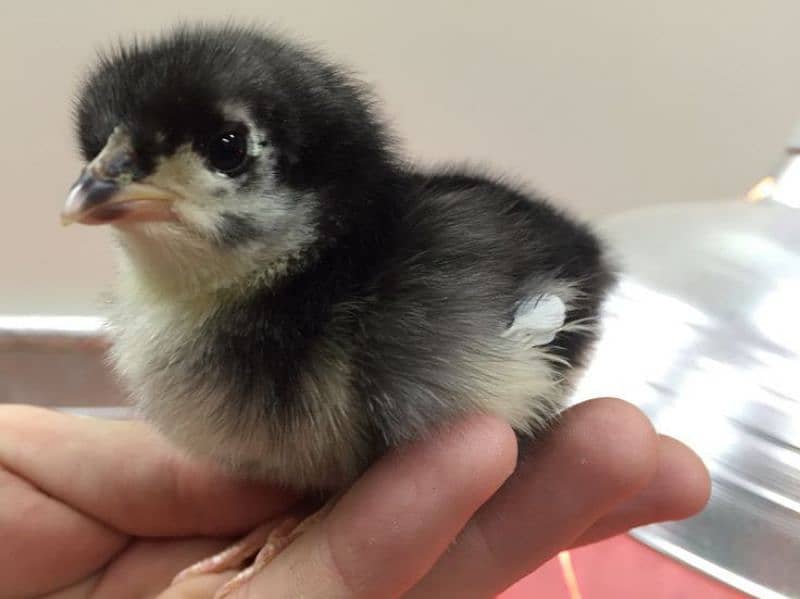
(293, 299)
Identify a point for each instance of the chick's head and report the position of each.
(215, 152)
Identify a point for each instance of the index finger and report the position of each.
(126, 475)
(387, 531)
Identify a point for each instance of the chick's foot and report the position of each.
(264, 542)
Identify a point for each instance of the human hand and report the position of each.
(109, 509)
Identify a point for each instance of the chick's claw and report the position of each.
(280, 538)
(234, 556)
(265, 542)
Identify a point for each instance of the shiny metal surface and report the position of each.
(704, 334)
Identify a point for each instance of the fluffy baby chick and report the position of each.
(294, 300)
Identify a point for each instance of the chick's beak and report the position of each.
(95, 200)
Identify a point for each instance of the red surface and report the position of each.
(619, 568)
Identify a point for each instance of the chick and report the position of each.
(293, 299)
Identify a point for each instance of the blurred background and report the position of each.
(601, 105)
(652, 120)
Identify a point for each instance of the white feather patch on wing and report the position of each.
(537, 320)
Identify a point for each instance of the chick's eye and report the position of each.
(227, 151)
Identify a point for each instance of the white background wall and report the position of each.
(603, 105)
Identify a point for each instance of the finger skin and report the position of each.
(390, 528)
(680, 488)
(200, 587)
(148, 566)
(80, 590)
(600, 454)
(39, 534)
(126, 475)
